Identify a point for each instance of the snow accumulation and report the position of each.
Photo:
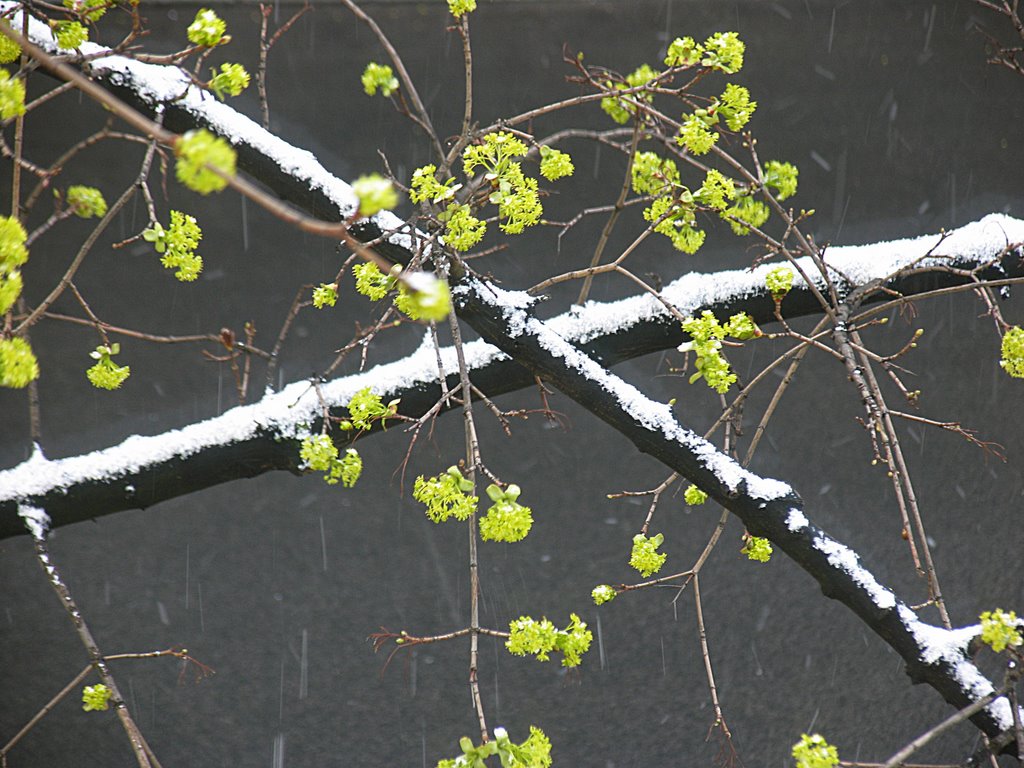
(36, 520)
(950, 646)
(286, 413)
(971, 244)
(657, 417)
(157, 84)
(796, 520)
(845, 559)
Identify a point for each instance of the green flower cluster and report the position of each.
(645, 556)
(325, 295)
(513, 192)
(815, 752)
(10, 289)
(724, 51)
(69, 34)
(425, 186)
(12, 95)
(96, 698)
(1012, 350)
(750, 212)
(540, 638)
(366, 407)
(199, 152)
(13, 254)
(231, 80)
(445, 495)
(371, 282)
(757, 548)
(706, 335)
(320, 454)
(535, 752)
(652, 174)
(779, 282)
(177, 243)
(603, 593)
(375, 194)
(675, 218)
(621, 110)
(379, 76)
(716, 191)
(683, 52)
(694, 496)
(18, 364)
(555, 164)
(782, 177)
(105, 373)
(428, 299)
(459, 7)
(695, 134)
(506, 520)
(734, 106)
(1000, 629)
(87, 202)
(463, 230)
(9, 50)
(91, 10)
(207, 29)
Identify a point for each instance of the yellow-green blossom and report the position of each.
(87, 202)
(12, 95)
(694, 496)
(207, 29)
(645, 556)
(375, 193)
(757, 549)
(1012, 350)
(379, 76)
(779, 282)
(445, 495)
(70, 34)
(9, 50)
(1000, 629)
(815, 752)
(105, 373)
(459, 7)
(325, 295)
(231, 80)
(201, 155)
(555, 164)
(18, 365)
(96, 698)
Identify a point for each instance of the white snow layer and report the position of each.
(845, 559)
(157, 84)
(657, 417)
(286, 413)
(950, 646)
(36, 520)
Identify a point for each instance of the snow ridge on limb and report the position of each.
(249, 440)
(767, 507)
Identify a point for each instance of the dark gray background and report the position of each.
(899, 128)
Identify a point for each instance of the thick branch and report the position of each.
(767, 507)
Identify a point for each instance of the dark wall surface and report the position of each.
(899, 128)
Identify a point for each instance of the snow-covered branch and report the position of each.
(249, 440)
(767, 507)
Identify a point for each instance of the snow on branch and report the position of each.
(767, 507)
(249, 440)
